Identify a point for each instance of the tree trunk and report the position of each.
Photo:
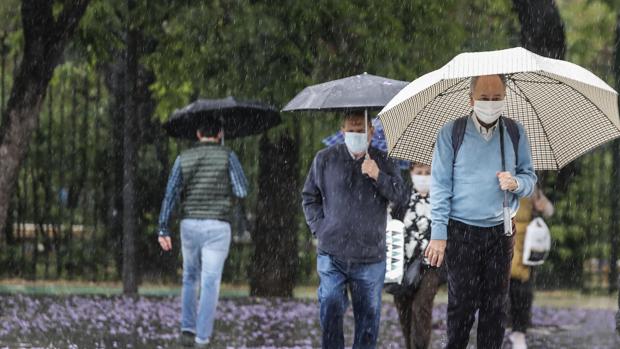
(275, 258)
(615, 218)
(542, 29)
(615, 189)
(45, 38)
(114, 79)
(130, 285)
(542, 32)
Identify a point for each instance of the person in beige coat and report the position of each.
(521, 292)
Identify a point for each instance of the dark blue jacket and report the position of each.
(346, 210)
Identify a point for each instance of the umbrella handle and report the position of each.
(223, 135)
(507, 216)
(366, 132)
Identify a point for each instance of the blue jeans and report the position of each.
(365, 283)
(205, 245)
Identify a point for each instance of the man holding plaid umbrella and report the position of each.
(566, 110)
(468, 188)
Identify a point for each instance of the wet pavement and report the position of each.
(152, 322)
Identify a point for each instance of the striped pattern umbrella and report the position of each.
(566, 110)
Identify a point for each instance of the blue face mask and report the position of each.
(356, 142)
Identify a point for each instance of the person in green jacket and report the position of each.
(205, 177)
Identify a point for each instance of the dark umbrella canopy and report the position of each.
(364, 91)
(238, 118)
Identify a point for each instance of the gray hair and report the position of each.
(474, 80)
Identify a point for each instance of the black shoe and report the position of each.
(188, 339)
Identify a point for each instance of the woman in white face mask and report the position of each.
(421, 178)
(415, 301)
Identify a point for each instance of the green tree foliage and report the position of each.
(263, 50)
(267, 51)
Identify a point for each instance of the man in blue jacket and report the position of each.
(345, 201)
(468, 191)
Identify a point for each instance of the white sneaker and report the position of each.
(518, 340)
(202, 343)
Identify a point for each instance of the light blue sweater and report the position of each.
(470, 191)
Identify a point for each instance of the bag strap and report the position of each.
(503, 155)
(515, 136)
(501, 143)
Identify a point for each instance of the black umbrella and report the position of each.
(237, 118)
(362, 92)
(359, 92)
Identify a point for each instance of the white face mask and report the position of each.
(489, 111)
(356, 142)
(421, 183)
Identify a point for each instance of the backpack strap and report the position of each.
(458, 134)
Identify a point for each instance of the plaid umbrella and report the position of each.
(566, 110)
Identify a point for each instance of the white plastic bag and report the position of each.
(395, 252)
(537, 242)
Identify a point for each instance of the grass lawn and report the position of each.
(557, 298)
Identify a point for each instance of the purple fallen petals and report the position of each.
(153, 322)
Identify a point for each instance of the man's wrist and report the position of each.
(516, 184)
(439, 231)
(381, 178)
